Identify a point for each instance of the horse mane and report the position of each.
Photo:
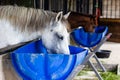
(27, 18)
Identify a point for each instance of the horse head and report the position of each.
(87, 21)
(55, 37)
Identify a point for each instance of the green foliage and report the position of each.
(105, 75)
(110, 76)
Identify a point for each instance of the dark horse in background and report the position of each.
(87, 21)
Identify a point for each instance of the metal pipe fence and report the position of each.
(108, 8)
(111, 9)
(82, 6)
(27, 3)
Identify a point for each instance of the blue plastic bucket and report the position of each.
(32, 62)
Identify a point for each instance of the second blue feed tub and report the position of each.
(32, 62)
(89, 39)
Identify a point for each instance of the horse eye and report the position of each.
(60, 36)
(51, 30)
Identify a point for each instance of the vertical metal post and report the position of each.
(115, 8)
(81, 6)
(111, 9)
(107, 8)
(88, 1)
(69, 3)
(37, 4)
(100, 6)
(119, 8)
(65, 2)
(55, 5)
(77, 5)
(46, 4)
(94, 7)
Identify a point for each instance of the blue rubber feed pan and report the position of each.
(89, 39)
(32, 62)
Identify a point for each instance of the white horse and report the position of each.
(20, 24)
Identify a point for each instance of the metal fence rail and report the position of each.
(111, 9)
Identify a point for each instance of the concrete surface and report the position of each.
(115, 54)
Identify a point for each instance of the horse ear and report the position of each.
(59, 16)
(67, 15)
